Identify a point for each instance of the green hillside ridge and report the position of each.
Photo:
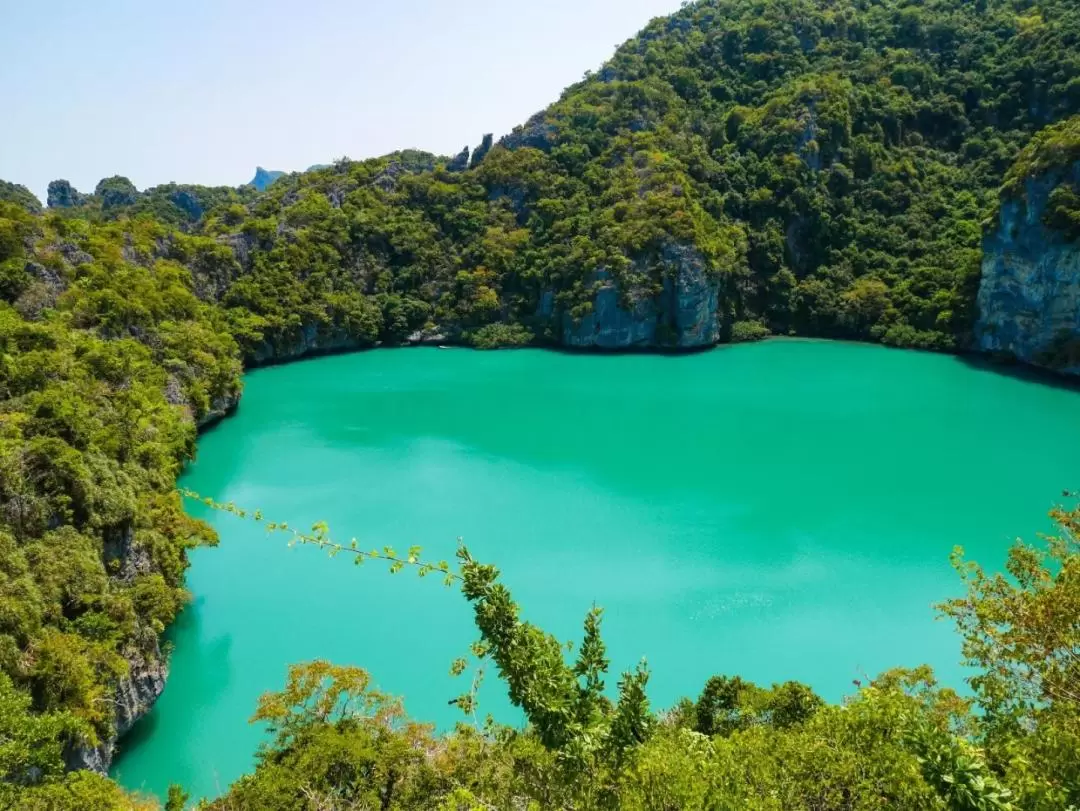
(740, 168)
(831, 172)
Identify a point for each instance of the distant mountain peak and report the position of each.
(264, 178)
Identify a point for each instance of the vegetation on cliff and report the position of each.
(1053, 152)
(832, 163)
(107, 358)
(20, 195)
(828, 166)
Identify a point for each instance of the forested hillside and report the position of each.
(741, 168)
(830, 167)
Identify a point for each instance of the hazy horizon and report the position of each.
(207, 92)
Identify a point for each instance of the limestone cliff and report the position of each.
(1029, 297)
(63, 195)
(133, 698)
(310, 339)
(136, 691)
(221, 407)
(681, 315)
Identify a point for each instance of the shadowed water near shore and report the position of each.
(782, 511)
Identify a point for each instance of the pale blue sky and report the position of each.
(201, 91)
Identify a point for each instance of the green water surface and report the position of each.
(781, 511)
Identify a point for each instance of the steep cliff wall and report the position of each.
(682, 315)
(136, 691)
(1029, 298)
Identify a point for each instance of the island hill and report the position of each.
(887, 172)
(264, 177)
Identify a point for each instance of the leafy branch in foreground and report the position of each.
(1023, 631)
(564, 703)
(319, 536)
(902, 741)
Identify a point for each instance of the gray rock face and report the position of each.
(481, 151)
(188, 202)
(63, 195)
(220, 408)
(126, 558)
(692, 297)
(42, 293)
(537, 133)
(387, 179)
(242, 245)
(310, 340)
(135, 695)
(811, 156)
(682, 316)
(460, 162)
(1029, 296)
(428, 337)
(137, 691)
(73, 254)
(610, 325)
(115, 192)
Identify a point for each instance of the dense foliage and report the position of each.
(831, 163)
(107, 358)
(179, 206)
(828, 166)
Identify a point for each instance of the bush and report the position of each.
(501, 336)
(743, 331)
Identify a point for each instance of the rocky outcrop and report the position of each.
(1029, 296)
(683, 315)
(481, 151)
(140, 687)
(134, 697)
(188, 202)
(116, 192)
(310, 339)
(401, 163)
(430, 336)
(618, 320)
(20, 196)
(41, 294)
(138, 691)
(460, 162)
(213, 269)
(537, 133)
(62, 194)
(692, 296)
(387, 178)
(220, 408)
